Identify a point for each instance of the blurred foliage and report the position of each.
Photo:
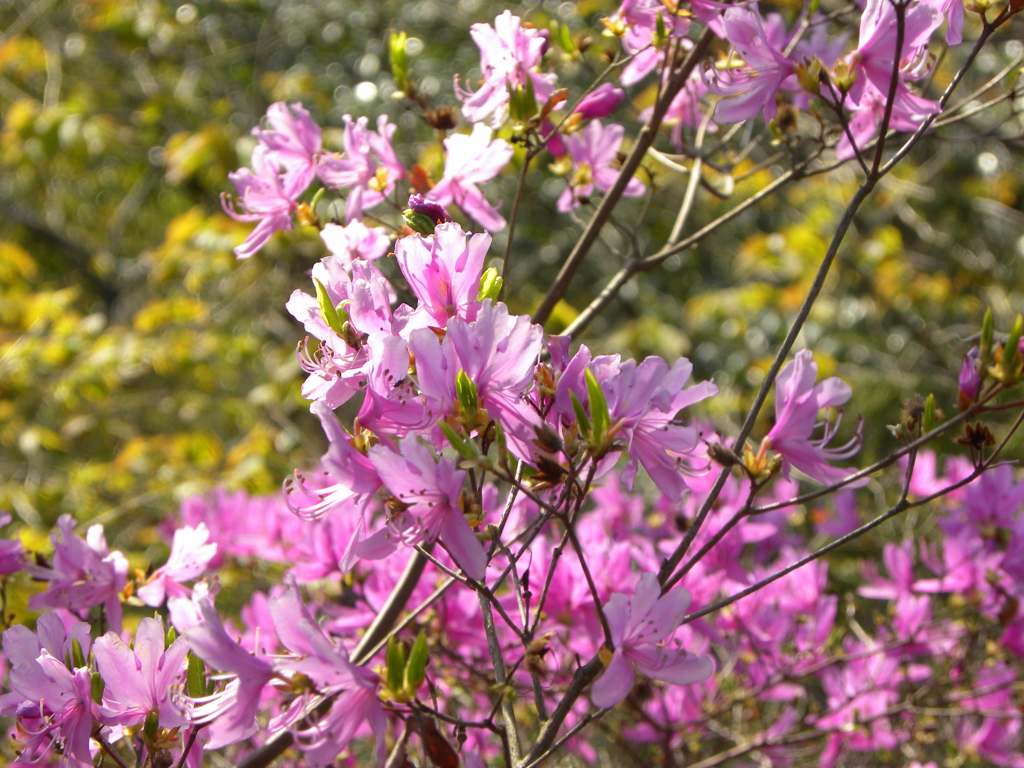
(140, 362)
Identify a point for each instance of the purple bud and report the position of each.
(970, 378)
(433, 210)
(601, 102)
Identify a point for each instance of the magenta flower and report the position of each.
(427, 491)
(368, 165)
(190, 554)
(594, 152)
(640, 624)
(143, 678)
(444, 271)
(83, 573)
(232, 711)
(472, 160)
(508, 57)
(797, 403)
(751, 87)
(318, 659)
(293, 142)
(266, 196)
(12, 556)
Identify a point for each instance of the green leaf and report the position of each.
(563, 37)
(399, 60)
(415, 671)
(928, 419)
(1011, 351)
(988, 332)
(195, 677)
(77, 657)
(464, 448)
(151, 726)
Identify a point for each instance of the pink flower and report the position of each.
(293, 142)
(266, 196)
(508, 56)
(797, 403)
(640, 624)
(472, 160)
(444, 271)
(643, 401)
(595, 153)
(190, 554)
(12, 557)
(83, 573)
(142, 679)
(368, 165)
(751, 87)
(427, 491)
(232, 711)
(355, 241)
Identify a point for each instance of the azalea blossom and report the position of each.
(190, 554)
(368, 166)
(595, 155)
(426, 492)
(509, 55)
(798, 399)
(640, 625)
(469, 161)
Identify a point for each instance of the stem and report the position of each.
(643, 141)
(508, 714)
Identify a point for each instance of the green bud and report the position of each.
(1011, 352)
(399, 61)
(96, 687)
(928, 418)
(418, 222)
(333, 316)
(170, 637)
(415, 670)
(581, 414)
(77, 657)
(563, 37)
(774, 131)
(988, 332)
(522, 102)
(151, 726)
(598, 411)
(490, 285)
(396, 664)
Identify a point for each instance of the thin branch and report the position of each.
(643, 141)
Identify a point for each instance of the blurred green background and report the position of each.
(140, 362)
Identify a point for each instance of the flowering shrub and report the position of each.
(477, 571)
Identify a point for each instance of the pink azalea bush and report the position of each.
(512, 536)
